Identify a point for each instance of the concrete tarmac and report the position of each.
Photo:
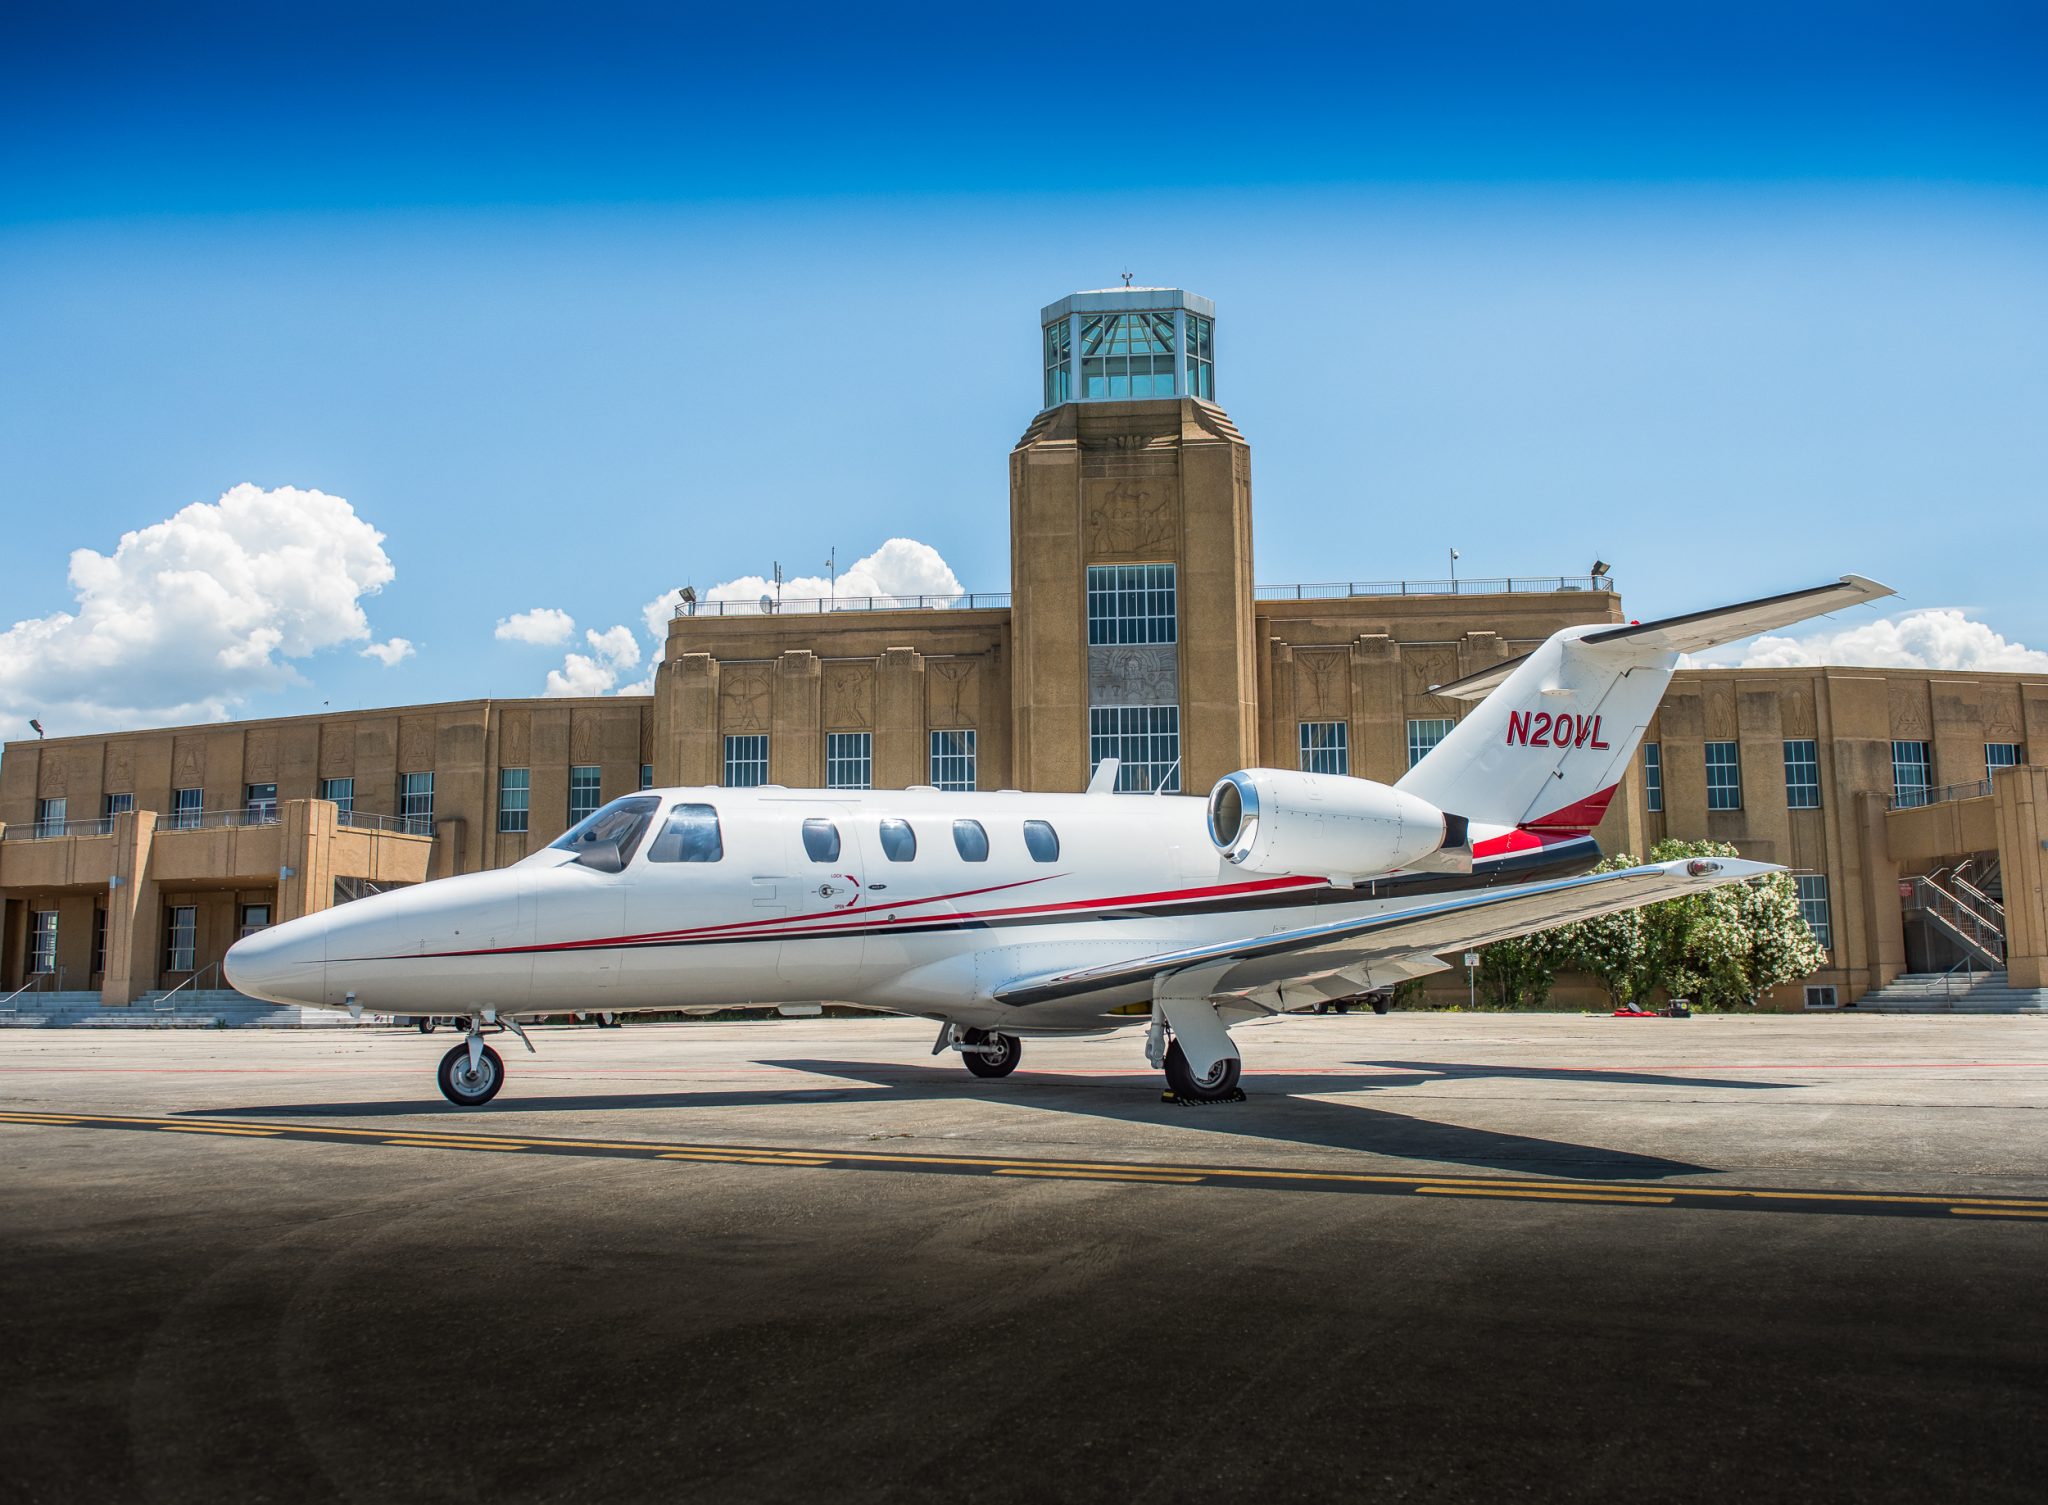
(1432, 1257)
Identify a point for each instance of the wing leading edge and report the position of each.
(1451, 924)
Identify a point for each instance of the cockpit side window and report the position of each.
(970, 840)
(1043, 840)
(821, 840)
(691, 835)
(619, 825)
(899, 842)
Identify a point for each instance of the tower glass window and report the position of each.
(746, 760)
(1059, 362)
(1424, 735)
(1201, 357)
(1724, 777)
(953, 759)
(1147, 740)
(1912, 773)
(849, 760)
(1802, 775)
(1132, 603)
(1653, 776)
(515, 794)
(1128, 354)
(1325, 747)
(586, 783)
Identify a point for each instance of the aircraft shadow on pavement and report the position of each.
(1288, 1107)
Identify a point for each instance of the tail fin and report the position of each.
(1553, 732)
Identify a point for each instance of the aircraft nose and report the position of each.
(285, 964)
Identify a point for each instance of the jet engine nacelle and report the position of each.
(1272, 820)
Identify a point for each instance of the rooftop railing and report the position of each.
(203, 820)
(1504, 585)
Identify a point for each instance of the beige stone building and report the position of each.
(1133, 626)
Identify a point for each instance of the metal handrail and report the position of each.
(1966, 925)
(202, 820)
(1914, 799)
(1983, 899)
(163, 1003)
(1499, 585)
(35, 982)
(51, 830)
(404, 825)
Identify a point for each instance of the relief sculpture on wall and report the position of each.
(743, 700)
(1131, 517)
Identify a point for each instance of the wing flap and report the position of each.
(1423, 931)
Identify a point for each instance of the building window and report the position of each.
(1059, 363)
(515, 799)
(849, 760)
(1813, 907)
(1131, 603)
(1999, 755)
(50, 817)
(116, 804)
(1201, 357)
(953, 760)
(99, 942)
(185, 807)
(1042, 841)
(259, 803)
(1802, 775)
(1653, 776)
(1127, 355)
(181, 938)
(1325, 747)
(1145, 737)
(1912, 765)
(342, 792)
(255, 917)
(1424, 735)
(42, 941)
(1821, 996)
(1724, 777)
(970, 840)
(416, 803)
(646, 775)
(746, 761)
(585, 783)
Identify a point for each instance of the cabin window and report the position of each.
(970, 840)
(1043, 840)
(899, 842)
(691, 835)
(821, 840)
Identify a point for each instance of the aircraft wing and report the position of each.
(1424, 931)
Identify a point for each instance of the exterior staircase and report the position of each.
(221, 1008)
(1952, 993)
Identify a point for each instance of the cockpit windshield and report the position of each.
(607, 838)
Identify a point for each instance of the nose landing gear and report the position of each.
(987, 1053)
(471, 1074)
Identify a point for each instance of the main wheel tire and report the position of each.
(1323, 1007)
(609, 1021)
(1219, 1084)
(426, 1026)
(1002, 1053)
(466, 1088)
(1379, 1003)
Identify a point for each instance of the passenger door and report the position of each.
(826, 875)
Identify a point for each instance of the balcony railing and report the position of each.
(1504, 585)
(50, 830)
(205, 820)
(1913, 799)
(407, 825)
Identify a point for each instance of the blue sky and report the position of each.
(577, 304)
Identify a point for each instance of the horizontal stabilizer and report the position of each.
(1696, 631)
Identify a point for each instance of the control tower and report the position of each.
(1131, 552)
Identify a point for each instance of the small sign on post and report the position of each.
(1471, 980)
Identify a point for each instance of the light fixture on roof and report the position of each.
(1601, 567)
(35, 726)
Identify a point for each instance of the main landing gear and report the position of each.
(986, 1053)
(1218, 1085)
(471, 1074)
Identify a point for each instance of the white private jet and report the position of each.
(1009, 915)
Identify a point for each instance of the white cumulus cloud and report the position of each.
(900, 567)
(391, 652)
(1940, 637)
(597, 672)
(544, 626)
(190, 617)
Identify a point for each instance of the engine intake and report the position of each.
(1272, 820)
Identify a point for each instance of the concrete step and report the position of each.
(213, 1009)
(1934, 992)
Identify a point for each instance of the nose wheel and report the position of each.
(471, 1083)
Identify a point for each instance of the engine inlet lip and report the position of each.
(1233, 810)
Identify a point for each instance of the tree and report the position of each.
(1518, 972)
